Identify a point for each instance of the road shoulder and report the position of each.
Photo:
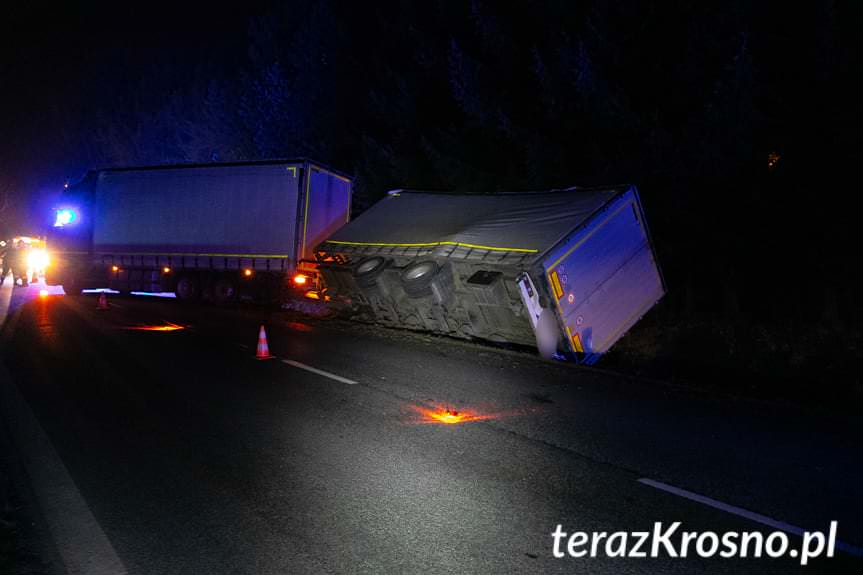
(42, 481)
(26, 546)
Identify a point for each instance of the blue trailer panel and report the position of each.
(604, 277)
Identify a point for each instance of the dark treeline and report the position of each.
(686, 100)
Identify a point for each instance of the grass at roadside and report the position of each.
(816, 366)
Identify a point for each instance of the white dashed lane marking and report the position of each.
(745, 513)
(317, 371)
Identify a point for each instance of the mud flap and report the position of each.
(543, 320)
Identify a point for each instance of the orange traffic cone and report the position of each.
(103, 302)
(263, 349)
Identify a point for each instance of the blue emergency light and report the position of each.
(65, 217)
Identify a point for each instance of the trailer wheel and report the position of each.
(417, 278)
(368, 270)
(187, 288)
(224, 291)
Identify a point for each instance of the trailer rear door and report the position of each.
(604, 277)
(327, 207)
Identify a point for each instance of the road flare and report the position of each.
(167, 327)
(450, 416)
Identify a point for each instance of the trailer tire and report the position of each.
(187, 288)
(368, 270)
(224, 291)
(417, 278)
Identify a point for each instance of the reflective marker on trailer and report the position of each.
(247, 272)
(166, 270)
(115, 269)
(300, 279)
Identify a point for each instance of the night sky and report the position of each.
(70, 71)
(685, 100)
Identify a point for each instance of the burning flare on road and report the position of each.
(450, 416)
(167, 327)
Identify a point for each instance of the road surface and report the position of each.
(193, 457)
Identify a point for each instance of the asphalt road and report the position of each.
(196, 458)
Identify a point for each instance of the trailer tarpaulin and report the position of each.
(523, 222)
(208, 209)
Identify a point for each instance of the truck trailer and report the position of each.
(569, 271)
(219, 231)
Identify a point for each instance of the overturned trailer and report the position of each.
(566, 270)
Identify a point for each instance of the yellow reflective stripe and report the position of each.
(555, 284)
(569, 336)
(587, 237)
(306, 213)
(576, 343)
(433, 244)
(333, 174)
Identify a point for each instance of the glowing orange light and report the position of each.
(43, 292)
(449, 416)
(166, 270)
(167, 327)
(247, 273)
(115, 269)
(299, 326)
(300, 279)
(773, 159)
(313, 295)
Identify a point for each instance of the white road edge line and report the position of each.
(78, 537)
(338, 378)
(740, 512)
